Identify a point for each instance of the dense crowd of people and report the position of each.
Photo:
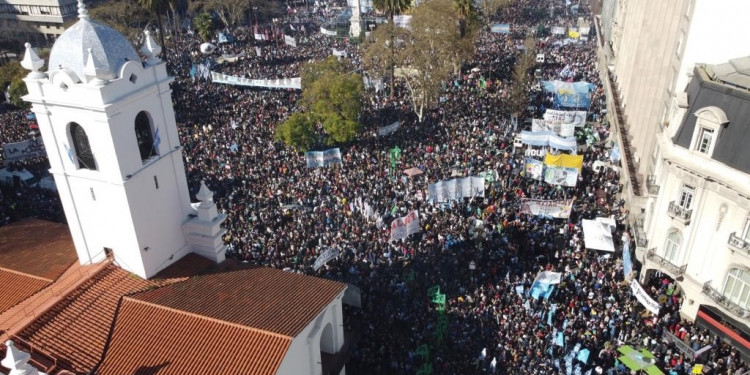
(282, 214)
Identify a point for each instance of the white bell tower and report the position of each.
(109, 129)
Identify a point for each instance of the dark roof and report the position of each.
(264, 298)
(731, 146)
(37, 248)
(150, 339)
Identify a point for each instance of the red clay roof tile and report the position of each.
(150, 338)
(256, 297)
(37, 247)
(16, 287)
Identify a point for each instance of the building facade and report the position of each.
(698, 226)
(29, 18)
(649, 50)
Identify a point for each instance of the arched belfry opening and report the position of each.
(144, 135)
(82, 152)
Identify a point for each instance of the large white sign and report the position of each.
(559, 209)
(316, 159)
(24, 150)
(282, 83)
(385, 130)
(644, 298)
(290, 41)
(404, 226)
(455, 189)
(327, 255)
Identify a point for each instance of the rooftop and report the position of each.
(735, 73)
(38, 248)
(255, 297)
(150, 339)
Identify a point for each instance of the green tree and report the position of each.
(11, 77)
(298, 131)
(331, 98)
(124, 16)
(392, 8)
(466, 15)
(157, 8)
(490, 7)
(432, 48)
(204, 25)
(525, 61)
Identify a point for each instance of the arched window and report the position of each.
(144, 136)
(737, 287)
(672, 248)
(81, 147)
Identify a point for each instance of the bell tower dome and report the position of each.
(108, 125)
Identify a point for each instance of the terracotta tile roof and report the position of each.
(37, 247)
(264, 298)
(188, 266)
(76, 328)
(150, 339)
(16, 287)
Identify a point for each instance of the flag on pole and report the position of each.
(157, 140)
(493, 364)
(70, 152)
(483, 355)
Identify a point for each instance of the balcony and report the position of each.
(680, 213)
(724, 302)
(665, 265)
(639, 234)
(651, 186)
(737, 243)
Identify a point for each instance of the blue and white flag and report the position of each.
(627, 262)
(157, 140)
(69, 152)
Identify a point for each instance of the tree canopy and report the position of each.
(331, 104)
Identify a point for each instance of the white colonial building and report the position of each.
(698, 226)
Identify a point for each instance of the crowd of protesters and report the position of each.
(282, 214)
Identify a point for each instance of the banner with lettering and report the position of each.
(282, 83)
(548, 138)
(570, 94)
(455, 189)
(404, 226)
(325, 31)
(564, 160)
(24, 150)
(558, 30)
(327, 255)
(316, 159)
(557, 209)
(644, 298)
(561, 176)
(388, 129)
(500, 28)
(564, 122)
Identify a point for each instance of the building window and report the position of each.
(704, 140)
(686, 197)
(737, 287)
(144, 136)
(672, 247)
(81, 147)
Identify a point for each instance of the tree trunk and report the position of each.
(393, 54)
(161, 36)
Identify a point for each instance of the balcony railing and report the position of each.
(724, 302)
(640, 234)
(651, 186)
(677, 212)
(666, 265)
(739, 244)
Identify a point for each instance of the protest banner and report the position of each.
(558, 30)
(644, 298)
(548, 139)
(570, 94)
(290, 41)
(325, 256)
(455, 189)
(338, 53)
(500, 28)
(404, 226)
(316, 159)
(561, 176)
(388, 129)
(282, 83)
(23, 150)
(558, 209)
(533, 168)
(564, 160)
